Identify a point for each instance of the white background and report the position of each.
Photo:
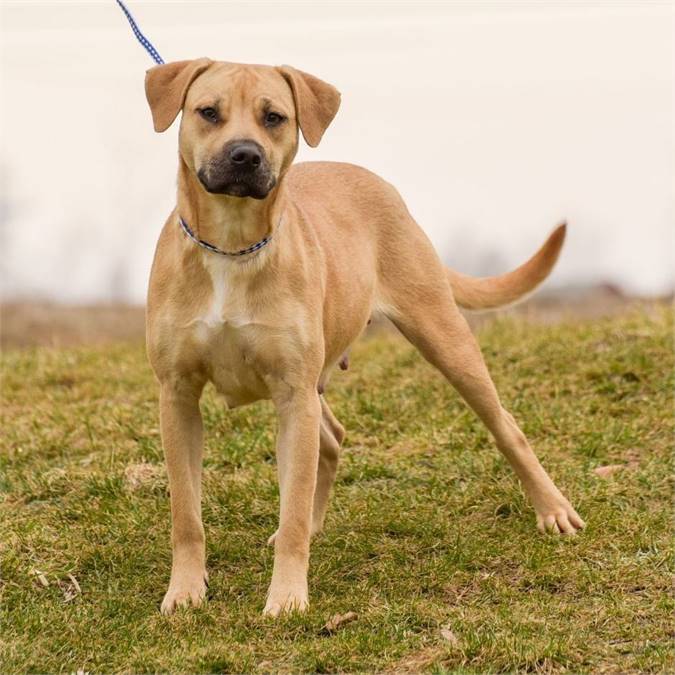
(495, 121)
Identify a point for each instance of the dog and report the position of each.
(264, 275)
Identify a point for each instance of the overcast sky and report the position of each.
(494, 120)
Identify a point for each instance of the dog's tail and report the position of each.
(493, 292)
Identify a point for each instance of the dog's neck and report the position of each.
(229, 223)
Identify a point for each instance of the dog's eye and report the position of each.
(273, 119)
(209, 114)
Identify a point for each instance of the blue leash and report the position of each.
(139, 36)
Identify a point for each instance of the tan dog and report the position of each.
(272, 323)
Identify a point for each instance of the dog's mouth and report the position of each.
(225, 177)
(237, 186)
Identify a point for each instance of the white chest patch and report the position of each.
(214, 314)
(227, 305)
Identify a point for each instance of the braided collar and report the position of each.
(214, 249)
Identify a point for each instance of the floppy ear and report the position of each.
(166, 87)
(316, 103)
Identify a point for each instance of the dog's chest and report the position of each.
(232, 335)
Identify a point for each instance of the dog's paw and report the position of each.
(556, 514)
(285, 602)
(183, 594)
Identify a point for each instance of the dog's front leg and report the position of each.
(297, 460)
(181, 428)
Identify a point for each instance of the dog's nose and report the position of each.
(246, 155)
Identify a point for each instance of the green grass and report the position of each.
(427, 528)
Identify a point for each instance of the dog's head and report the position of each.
(239, 130)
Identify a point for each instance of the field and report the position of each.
(428, 539)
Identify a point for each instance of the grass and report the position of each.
(427, 531)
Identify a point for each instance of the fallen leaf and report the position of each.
(609, 469)
(449, 636)
(339, 620)
(68, 593)
(69, 587)
(42, 579)
(75, 584)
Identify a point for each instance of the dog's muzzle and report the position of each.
(241, 170)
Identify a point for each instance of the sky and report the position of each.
(495, 121)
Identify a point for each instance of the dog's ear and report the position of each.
(166, 87)
(316, 103)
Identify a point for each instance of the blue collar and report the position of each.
(214, 249)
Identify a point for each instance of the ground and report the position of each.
(429, 539)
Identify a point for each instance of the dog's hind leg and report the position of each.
(332, 434)
(420, 303)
